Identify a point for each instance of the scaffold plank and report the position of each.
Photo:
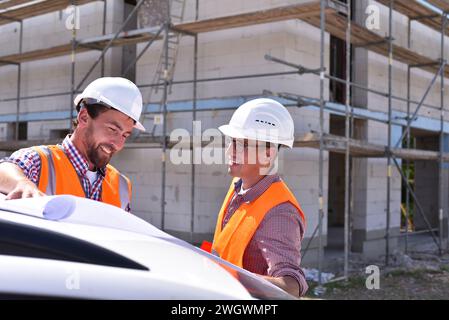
(37, 9)
(363, 149)
(441, 4)
(361, 36)
(331, 143)
(13, 3)
(417, 11)
(264, 16)
(297, 11)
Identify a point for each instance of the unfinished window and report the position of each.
(22, 132)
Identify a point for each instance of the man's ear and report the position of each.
(83, 117)
(271, 152)
(266, 155)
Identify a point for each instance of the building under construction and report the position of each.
(364, 81)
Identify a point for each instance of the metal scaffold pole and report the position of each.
(72, 57)
(109, 44)
(164, 118)
(389, 166)
(407, 162)
(19, 83)
(441, 196)
(195, 85)
(104, 32)
(347, 135)
(321, 151)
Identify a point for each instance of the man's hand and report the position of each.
(24, 189)
(286, 283)
(15, 184)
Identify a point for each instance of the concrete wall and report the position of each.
(54, 75)
(424, 41)
(238, 52)
(231, 53)
(299, 167)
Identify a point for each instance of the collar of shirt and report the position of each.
(259, 188)
(79, 162)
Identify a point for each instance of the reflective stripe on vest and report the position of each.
(58, 176)
(48, 180)
(124, 191)
(231, 241)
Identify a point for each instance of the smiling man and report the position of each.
(108, 110)
(261, 225)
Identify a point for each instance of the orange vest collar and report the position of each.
(231, 241)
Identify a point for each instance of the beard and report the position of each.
(97, 156)
(95, 153)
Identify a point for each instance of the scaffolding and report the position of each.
(331, 16)
(358, 36)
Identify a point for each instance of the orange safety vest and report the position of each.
(231, 242)
(58, 176)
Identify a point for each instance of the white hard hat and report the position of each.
(263, 120)
(118, 93)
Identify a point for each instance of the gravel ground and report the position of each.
(417, 276)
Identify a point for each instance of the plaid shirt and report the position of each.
(275, 249)
(30, 162)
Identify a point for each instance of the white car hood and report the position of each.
(114, 229)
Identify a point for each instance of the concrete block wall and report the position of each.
(237, 52)
(229, 53)
(54, 75)
(370, 197)
(300, 171)
(424, 41)
(420, 80)
(211, 184)
(41, 129)
(370, 175)
(299, 167)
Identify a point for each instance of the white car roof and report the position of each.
(129, 236)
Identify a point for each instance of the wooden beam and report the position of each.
(416, 10)
(296, 11)
(363, 149)
(337, 144)
(309, 12)
(38, 9)
(331, 143)
(441, 4)
(66, 49)
(264, 16)
(42, 54)
(360, 36)
(413, 154)
(12, 3)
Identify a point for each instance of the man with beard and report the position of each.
(108, 110)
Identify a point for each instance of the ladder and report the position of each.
(177, 10)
